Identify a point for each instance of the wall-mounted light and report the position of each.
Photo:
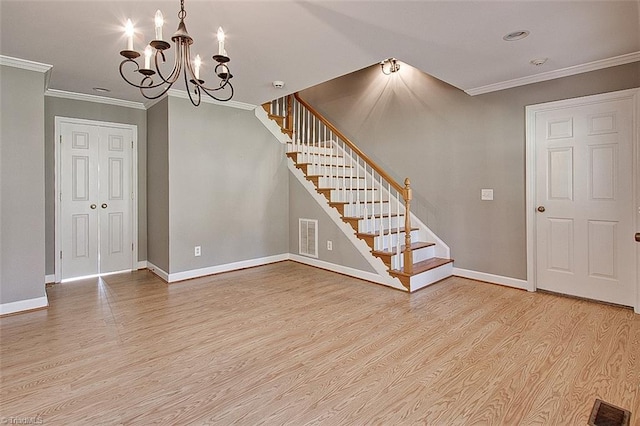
(389, 66)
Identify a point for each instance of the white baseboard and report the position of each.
(159, 272)
(345, 270)
(490, 278)
(48, 279)
(142, 264)
(24, 305)
(196, 273)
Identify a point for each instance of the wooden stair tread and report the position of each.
(384, 232)
(414, 246)
(423, 266)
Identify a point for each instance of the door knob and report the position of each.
(541, 209)
(104, 205)
(638, 237)
(93, 206)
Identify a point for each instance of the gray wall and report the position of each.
(22, 200)
(302, 205)
(452, 145)
(98, 112)
(158, 185)
(228, 187)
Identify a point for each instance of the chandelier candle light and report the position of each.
(151, 89)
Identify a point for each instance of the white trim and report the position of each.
(345, 270)
(54, 93)
(205, 99)
(196, 273)
(531, 171)
(490, 278)
(48, 279)
(24, 305)
(159, 272)
(24, 64)
(550, 75)
(142, 264)
(57, 170)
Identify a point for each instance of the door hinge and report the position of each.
(131, 246)
(60, 138)
(60, 254)
(131, 144)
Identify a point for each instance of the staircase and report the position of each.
(368, 199)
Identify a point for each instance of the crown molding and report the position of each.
(205, 99)
(93, 98)
(24, 64)
(551, 75)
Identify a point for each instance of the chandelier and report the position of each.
(390, 66)
(154, 84)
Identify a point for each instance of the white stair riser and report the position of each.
(339, 171)
(352, 196)
(358, 210)
(429, 277)
(328, 150)
(321, 160)
(339, 182)
(419, 255)
(382, 243)
(368, 225)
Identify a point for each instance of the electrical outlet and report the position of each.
(329, 245)
(196, 251)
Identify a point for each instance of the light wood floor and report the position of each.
(291, 344)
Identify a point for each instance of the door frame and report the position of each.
(59, 121)
(531, 171)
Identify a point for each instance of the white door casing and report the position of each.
(582, 167)
(96, 208)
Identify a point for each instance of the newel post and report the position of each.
(408, 256)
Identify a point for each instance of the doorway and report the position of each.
(582, 197)
(96, 200)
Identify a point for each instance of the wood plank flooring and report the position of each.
(291, 344)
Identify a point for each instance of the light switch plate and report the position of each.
(486, 194)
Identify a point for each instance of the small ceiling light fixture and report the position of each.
(152, 89)
(516, 35)
(539, 61)
(389, 66)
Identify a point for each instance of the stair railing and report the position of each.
(337, 162)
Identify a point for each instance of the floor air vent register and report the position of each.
(605, 414)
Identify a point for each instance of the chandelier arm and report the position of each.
(141, 85)
(196, 89)
(172, 78)
(165, 90)
(223, 83)
(215, 97)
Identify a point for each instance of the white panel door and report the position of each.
(79, 198)
(115, 199)
(585, 216)
(95, 199)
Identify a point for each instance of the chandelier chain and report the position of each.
(183, 13)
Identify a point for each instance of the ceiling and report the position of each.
(304, 43)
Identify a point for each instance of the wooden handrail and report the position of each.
(357, 150)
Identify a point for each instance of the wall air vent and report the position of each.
(308, 237)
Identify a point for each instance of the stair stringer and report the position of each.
(271, 125)
(376, 263)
